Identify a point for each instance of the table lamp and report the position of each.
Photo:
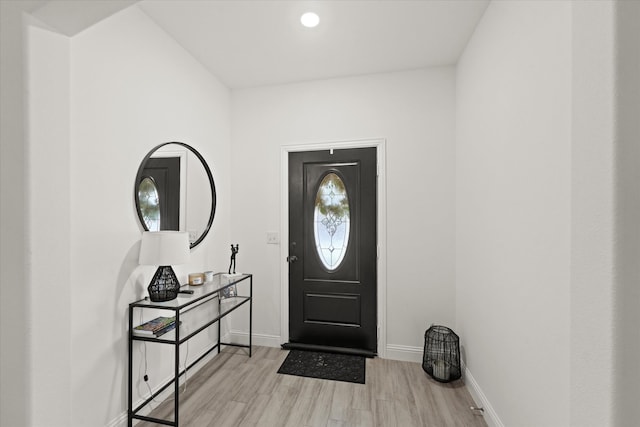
(164, 249)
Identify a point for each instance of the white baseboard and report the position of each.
(490, 415)
(404, 352)
(242, 337)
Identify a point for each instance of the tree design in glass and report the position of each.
(331, 221)
(149, 203)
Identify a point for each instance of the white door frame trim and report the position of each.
(380, 145)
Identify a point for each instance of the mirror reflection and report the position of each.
(175, 191)
(149, 203)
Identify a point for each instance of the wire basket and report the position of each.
(441, 358)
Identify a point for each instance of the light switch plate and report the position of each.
(273, 238)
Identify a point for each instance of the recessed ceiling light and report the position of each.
(310, 19)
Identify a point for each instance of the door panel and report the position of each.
(332, 309)
(332, 233)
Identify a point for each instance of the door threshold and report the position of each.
(328, 349)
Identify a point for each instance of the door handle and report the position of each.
(292, 259)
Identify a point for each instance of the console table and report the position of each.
(208, 295)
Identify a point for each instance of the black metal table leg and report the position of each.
(176, 400)
(130, 379)
(250, 312)
(219, 329)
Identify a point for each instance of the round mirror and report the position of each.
(174, 190)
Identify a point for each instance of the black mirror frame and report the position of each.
(211, 185)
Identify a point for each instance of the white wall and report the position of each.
(48, 207)
(513, 211)
(414, 111)
(131, 88)
(606, 208)
(627, 308)
(592, 217)
(15, 324)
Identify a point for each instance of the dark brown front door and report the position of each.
(164, 172)
(333, 249)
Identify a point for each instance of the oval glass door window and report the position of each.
(149, 204)
(331, 221)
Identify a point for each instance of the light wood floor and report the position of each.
(235, 390)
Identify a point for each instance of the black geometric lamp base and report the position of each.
(164, 286)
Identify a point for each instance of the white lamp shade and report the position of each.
(164, 248)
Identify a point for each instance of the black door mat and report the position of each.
(326, 366)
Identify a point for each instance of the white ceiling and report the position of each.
(249, 43)
(69, 17)
(253, 43)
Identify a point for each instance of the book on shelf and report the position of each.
(169, 327)
(153, 327)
